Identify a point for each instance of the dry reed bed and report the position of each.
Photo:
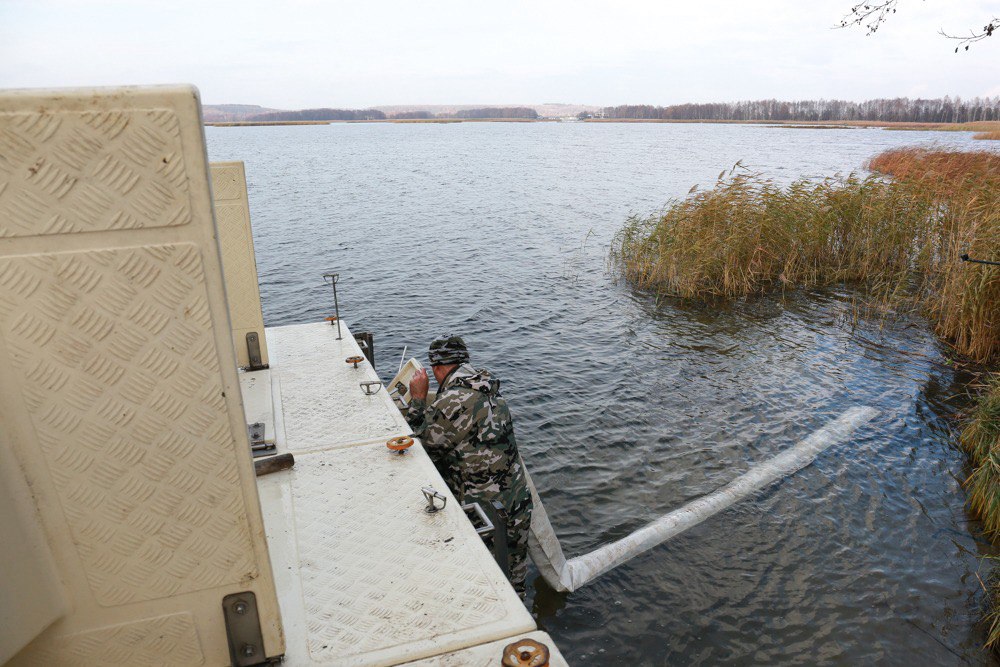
(897, 235)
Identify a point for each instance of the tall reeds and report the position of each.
(898, 235)
(980, 438)
(962, 300)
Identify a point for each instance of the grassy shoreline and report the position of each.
(981, 126)
(897, 236)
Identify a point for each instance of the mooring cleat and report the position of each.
(400, 444)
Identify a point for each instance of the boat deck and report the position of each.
(364, 574)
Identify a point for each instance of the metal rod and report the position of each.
(966, 258)
(401, 358)
(273, 464)
(334, 277)
(336, 308)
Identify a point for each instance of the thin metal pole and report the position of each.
(336, 307)
(966, 258)
(334, 277)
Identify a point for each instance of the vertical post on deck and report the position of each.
(333, 278)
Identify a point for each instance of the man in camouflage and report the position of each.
(469, 435)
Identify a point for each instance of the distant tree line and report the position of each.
(498, 112)
(375, 114)
(412, 115)
(900, 109)
(485, 112)
(319, 114)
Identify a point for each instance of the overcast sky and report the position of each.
(332, 53)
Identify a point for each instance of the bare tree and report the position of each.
(871, 16)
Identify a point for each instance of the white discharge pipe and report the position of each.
(569, 575)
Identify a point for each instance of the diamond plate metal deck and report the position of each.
(168, 641)
(136, 434)
(119, 399)
(67, 171)
(322, 402)
(365, 576)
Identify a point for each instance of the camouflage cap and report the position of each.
(448, 350)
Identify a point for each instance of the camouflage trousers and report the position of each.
(518, 528)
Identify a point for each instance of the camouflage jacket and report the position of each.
(469, 435)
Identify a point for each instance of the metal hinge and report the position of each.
(258, 447)
(253, 352)
(246, 642)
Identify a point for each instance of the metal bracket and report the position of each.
(256, 433)
(253, 352)
(246, 643)
(366, 341)
(257, 445)
(367, 387)
(477, 509)
(430, 493)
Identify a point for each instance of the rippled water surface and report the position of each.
(627, 407)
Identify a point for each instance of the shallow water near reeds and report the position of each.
(627, 406)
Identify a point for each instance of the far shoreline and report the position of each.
(979, 126)
(263, 123)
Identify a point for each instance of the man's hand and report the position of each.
(419, 385)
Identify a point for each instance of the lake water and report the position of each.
(627, 406)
